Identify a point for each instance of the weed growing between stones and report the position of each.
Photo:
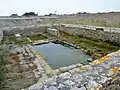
(3, 63)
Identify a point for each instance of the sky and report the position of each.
(8, 7)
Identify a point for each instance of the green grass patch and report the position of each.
(3, 69)
(16, 40)
(37, 37)
(94, 48)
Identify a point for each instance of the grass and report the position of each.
(16, 41)
(3, 69)
(23, 40)
(37, 37)
(9, 68)
(96, 49)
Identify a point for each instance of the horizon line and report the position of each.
(117, 11)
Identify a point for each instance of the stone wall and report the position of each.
(22, 25)
(52, 31)
(92, 34)
(10, 22)
(25, 30)
(107, 34)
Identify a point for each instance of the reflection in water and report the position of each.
(58, 55)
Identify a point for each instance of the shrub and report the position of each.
(29, 14)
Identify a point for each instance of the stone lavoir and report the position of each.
(65, 76)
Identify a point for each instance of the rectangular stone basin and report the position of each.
(58, 55)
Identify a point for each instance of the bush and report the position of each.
(29, 14)
(14, 15)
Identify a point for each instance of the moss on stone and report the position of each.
(96, 49)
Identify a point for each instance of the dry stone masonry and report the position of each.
(92, 33)
(107, 35)
(32, 25)
(25, 31)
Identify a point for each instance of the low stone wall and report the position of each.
(103, 35)
(52, 31)
(92, 34)
(20, 21)
(25, 30)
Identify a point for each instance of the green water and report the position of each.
(58, 55)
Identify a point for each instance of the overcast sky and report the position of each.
(8, 7)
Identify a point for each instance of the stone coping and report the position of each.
(38, 42)
(55, 71)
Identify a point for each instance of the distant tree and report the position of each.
(29, 14)
(84, 12)
(112, 12)
(79, 13)
(50, 14)
(45, 15)
(14, 15)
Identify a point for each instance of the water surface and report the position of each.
(58, 55)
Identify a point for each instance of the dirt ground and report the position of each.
(18, 78)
